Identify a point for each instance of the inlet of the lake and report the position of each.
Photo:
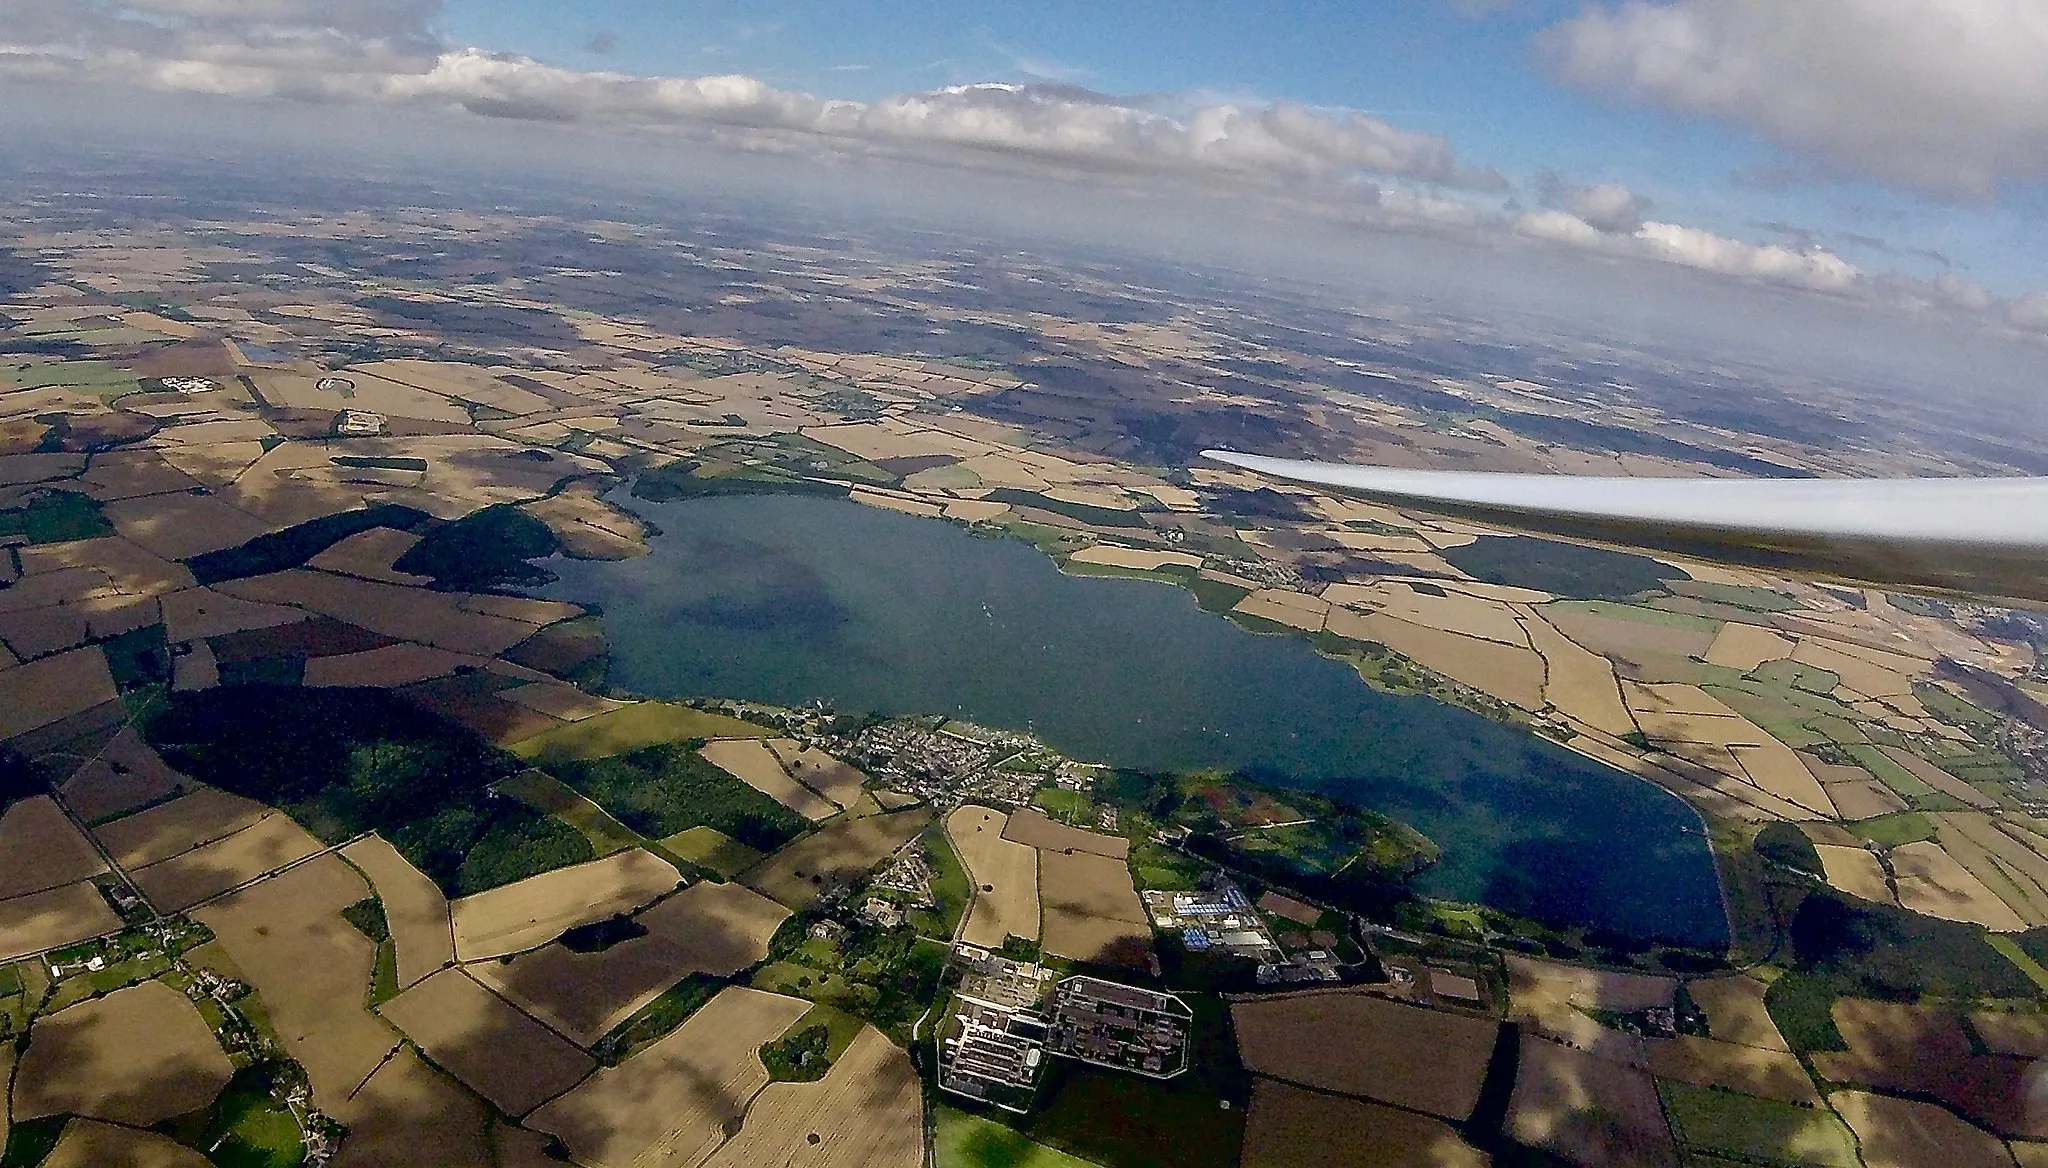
(789, 599)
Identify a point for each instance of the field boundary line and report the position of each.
(330, 850)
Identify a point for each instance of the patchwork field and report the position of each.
(1750, 1070)
(1580, 684)
(87, 1144)
(534, 911)
(1352, 1044)
(1931, 881)
(1991, 854)
(52, 689)
(498, 1052)
(287, 938)
(386, 667)
(838, 854)
(41, 849)
(1869, 672)
(1453, 612)
(1632, 635)
(1030, 827)
(1900, 1133)
(414, 909)
(1589, 1110)
(136, 1056)
(2025, 1035)
(635, 726)
(1924, 1051)
(1293, 1128)
(54, 919)
(1091, 909)
(406, 614)
(1743, 647)
(409, 1113)
(179, 826)
(208, 870)
(1939, 779)
(867, 1112)
(1750, 1130)
(709, 928)
(1509, 672)
(708, 847)
(1004, 875)
(838, 782)
(754, 764)
(550, 796)
(1133, 559)
(672, 1102)
(124, 776)
(1856, 871)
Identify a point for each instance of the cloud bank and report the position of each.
(1827, 73)
(385, 51)
(1945, 96)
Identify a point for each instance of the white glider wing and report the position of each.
(1963, 537)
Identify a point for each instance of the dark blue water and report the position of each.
(787, 599)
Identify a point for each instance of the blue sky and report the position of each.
(1477, 80)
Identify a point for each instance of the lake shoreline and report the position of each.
(763, 597)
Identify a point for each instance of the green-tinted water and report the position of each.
(785, 599)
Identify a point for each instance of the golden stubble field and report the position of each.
(1091, 909)
(1901, 1133)
(1736, 1013)
(52, 689)
(497, 1051)
(1004, 874)
(709, 928)
(89, 1144)
(176, 827)
(312, 968)
(409, 1114)
(1354, 1044)
(1748, 1070)
(540, 908)
(414, 909)
(753, 763)
(672, 1103)
(54, 919)
(1030, 827)
(204, 872)
(837, 781)
(134, 1057)
(867, 1112)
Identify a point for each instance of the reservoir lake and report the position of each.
(790, 599)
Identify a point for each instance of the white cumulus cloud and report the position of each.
(386, 51)
(1558, 227)
(2030, 312)
(1813, 269)
(1946, 96)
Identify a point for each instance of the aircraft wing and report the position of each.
(1953, 536)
